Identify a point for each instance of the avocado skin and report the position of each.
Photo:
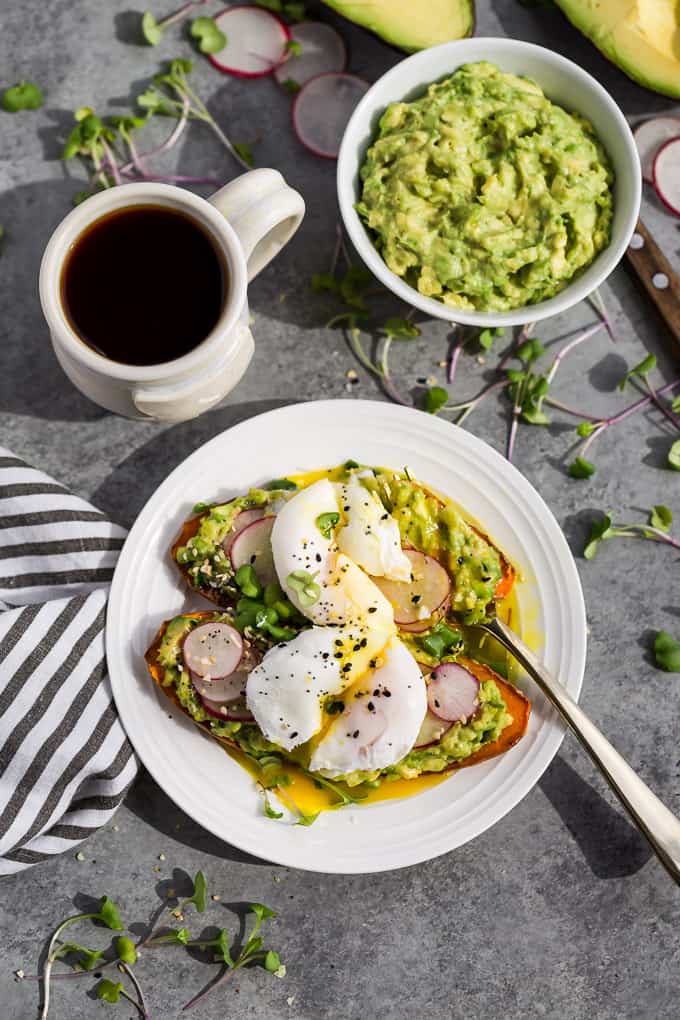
(617, 40)
(408, 25)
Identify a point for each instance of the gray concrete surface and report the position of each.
(559, 911)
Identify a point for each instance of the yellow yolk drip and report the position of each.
(302, 792)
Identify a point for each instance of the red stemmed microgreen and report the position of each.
(125, 954)
(171, 95)
(107, 915)
(108, 146)
(251, 952)
(602, 529)
(152, 30)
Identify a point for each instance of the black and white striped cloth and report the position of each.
(65, 762)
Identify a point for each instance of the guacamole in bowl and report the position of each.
(485, 195)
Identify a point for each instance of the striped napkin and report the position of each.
(65, 762)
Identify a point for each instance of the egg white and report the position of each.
(347, 595)
(287, 690)
(370, 536)
(381, 720)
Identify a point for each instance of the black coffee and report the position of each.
(143, 285)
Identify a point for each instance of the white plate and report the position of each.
(192, 768)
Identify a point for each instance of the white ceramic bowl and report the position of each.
(564, 83)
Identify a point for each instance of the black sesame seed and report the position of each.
(355, 734)
(386, 693)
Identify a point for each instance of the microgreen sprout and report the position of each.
(591, 428)
(107, 915)
(641, 370)
(245, 151)
(83, 961)
(171, 95)
(674, 455)
(107, 145)
(199, 895)
(295, 11)
(209, 37)
(251, 952)
(603, 528)
(436, 397)
(581, 468)
(152, 30)
(25, 95)
(667, 652)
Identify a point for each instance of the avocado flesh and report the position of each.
(642, 37)
(408, 25)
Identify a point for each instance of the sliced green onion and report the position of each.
(303, 583)
(326, 522)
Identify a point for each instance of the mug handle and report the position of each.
(264, 213)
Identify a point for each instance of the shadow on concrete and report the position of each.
(32, 383)
(125, 491)
(605, 374)
(612, 847)
(149, 803)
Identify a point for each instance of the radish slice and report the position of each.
(420, 626)
(650, 136)
(416, 601)
(453, 693)
(256, 42)
(432, 730)
(222, 688)
(666, 172)
(322, 50)
(368, 724)
(253, 545)
(235, 711)
(241, 521)
(213, 650)
(322, 109)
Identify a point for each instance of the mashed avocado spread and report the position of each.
(427, 523)
(484, 194)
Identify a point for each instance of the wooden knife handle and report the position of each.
(660, 281)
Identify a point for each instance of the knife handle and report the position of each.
(656, 275)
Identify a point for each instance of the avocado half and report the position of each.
(409, 25)
(642, 38)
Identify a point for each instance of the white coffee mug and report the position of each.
(249, 220)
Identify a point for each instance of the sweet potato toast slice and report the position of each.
(517, 704)
(189, 529)
(151, 657)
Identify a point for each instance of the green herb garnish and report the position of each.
(280, 483)
(657, 530)
(25, 95)
(667, 652)
(210, 38)
(306, 588)
(326, 522)
(436, 398)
